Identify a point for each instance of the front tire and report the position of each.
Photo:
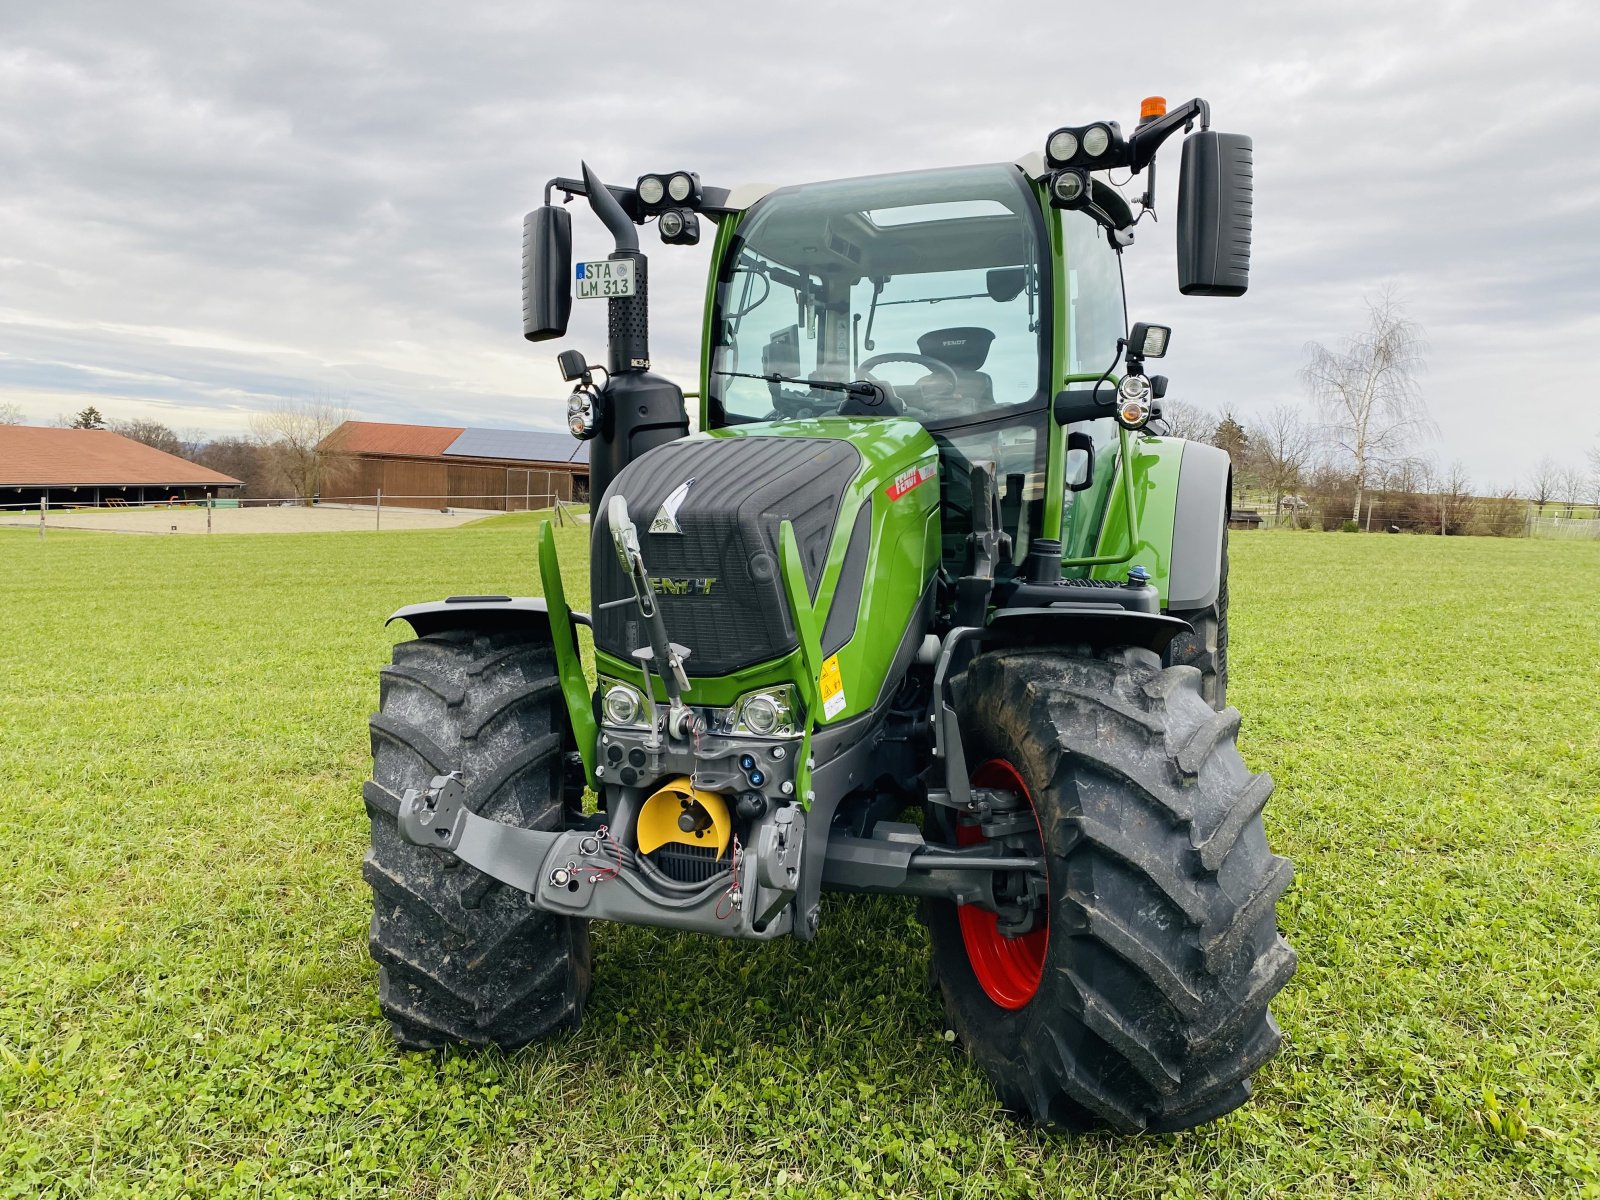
(1149, 1010)
(463, 959)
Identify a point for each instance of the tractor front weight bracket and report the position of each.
(586, 873)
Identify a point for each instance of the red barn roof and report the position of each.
(31, 457)
(377, 437)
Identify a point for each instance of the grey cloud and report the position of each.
(232, 202)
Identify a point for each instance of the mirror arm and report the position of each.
(1147, 139)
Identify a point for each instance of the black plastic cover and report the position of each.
(718, 581)
(1216, 184)
(546, 273)
(639, 410)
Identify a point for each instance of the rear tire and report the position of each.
(1150, 1010)
(463, 959)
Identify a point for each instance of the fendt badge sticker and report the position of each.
(666, 518)
(908, 480)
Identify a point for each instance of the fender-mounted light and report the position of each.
(1133, 402)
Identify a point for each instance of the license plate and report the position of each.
(605, 280)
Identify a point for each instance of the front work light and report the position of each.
(1098, 146)
(1148, 341)
(1063, 144)
(680, 187)
(679, 227)
(1069, 189)
(651, 190)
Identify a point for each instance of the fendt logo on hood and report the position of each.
(692, 586)
(666, 518)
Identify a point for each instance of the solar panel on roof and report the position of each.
(525, 445)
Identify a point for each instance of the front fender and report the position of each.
(490, 613)
(1198, 523)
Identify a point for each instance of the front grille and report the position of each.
(718, 583)
(687, 864)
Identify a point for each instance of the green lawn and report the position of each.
(187, 1006)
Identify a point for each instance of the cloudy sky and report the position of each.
(205, 207)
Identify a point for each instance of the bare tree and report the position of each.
(1282, 446)
(1188, 421)
(1544, 483)
(1367, 390)
(1571, 482)
(11, 414)
(1453, 495)
(289, 434)
(242, 458)
(1594, 480)
(153, 434)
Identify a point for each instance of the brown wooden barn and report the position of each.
(433, 466)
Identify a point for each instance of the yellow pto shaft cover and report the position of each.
(682, 813)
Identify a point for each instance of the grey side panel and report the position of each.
(845, 606)
(477, 612)
(1197, 527)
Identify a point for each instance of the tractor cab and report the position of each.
(933, 293)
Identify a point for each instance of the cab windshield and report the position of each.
(932, 282)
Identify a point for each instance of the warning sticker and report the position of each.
(907, 480)
(831, 684)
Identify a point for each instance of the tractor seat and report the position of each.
(963, 349)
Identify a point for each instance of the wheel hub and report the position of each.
(1009, 969)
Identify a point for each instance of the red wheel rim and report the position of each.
(1008, 969)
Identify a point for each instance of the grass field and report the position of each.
(187, 1006)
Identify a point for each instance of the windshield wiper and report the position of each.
(855, 388)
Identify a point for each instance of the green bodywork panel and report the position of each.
(569, 665)
(1147, 539)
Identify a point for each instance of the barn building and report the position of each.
(96, 466)
(434, 466)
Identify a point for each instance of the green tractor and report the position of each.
(924, 609)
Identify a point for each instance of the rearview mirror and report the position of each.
(1215, 195)
(1005, 283)
(546, 273)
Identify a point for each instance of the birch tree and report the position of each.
(1366, 390)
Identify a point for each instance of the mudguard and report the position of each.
(1199, 519)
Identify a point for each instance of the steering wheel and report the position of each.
(934, 365)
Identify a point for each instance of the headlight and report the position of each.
(679, 187)
(651, 190)
(620, 703)
(1095, 140)
(671, 222)
(1134, 387)
(770, 712)
(1069, 188)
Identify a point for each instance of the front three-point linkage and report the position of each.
(665, 656)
